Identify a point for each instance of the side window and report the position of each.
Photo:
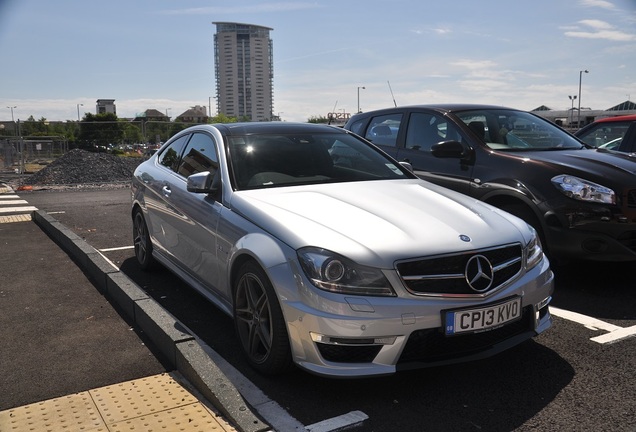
(356, 127)
(199, 155)
(383, 130)
(170, 156)
(425, 129)
(605, 134)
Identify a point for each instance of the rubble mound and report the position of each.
(83, 167)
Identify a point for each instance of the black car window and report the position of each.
(605, 135)
(356, 127)
(263, 161)
(511, 130)
(199, 156)
(383, 130)
(169, 156)
(426, 129)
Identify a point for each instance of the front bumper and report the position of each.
(345, 336)
(595, 241)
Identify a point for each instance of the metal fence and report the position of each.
(25, 144)
(19, 154)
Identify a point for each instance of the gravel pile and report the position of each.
(80, 167)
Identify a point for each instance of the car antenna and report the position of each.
(391, 90)
(332, 112)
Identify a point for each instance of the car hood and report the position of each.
(618, 168)
(378, 222)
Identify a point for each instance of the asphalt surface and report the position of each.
(60, 336)
(92, 328)
(562, 379)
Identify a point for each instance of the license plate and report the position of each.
(483, 318)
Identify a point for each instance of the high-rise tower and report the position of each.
(244, 69)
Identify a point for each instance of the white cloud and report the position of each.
(598, 3)
(600, 30)
(596, 24)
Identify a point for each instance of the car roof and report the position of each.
(631, 117)
(248, 128)
(442, 108)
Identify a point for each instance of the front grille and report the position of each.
(445, 275)
(348, 353)
(431, 345)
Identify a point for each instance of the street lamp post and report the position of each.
(78, 115)
(11, 108)
(572, 99)
(363, 88)
(578, 121)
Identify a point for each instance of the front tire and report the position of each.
(141, 241)
(259, 322)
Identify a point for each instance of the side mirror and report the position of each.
(449, 149)
(407, 165)
(204, 182)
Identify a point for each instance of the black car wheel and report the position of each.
(259, 322)
(141, 240)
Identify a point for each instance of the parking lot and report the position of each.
(577, 376)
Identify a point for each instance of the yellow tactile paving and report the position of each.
(15, 218)
(143, 396)
(156, 403)
(75, 412)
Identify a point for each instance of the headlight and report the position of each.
(583, 190)
(534, 251)
(333, 272)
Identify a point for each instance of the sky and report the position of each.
(329, 55)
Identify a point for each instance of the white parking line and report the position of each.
(7, 210)
(116, 249)
(13, 208)
(12, 201)
(615, 333)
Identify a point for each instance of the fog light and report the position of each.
(543, 303)
(595, 245)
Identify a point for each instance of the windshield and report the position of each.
(509, 130)
(261, 161)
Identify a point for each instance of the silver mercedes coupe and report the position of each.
(330, 255)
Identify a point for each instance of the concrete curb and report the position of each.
(165, 331)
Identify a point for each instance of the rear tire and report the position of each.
(141, 241)
(259, 322)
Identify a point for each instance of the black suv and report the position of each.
(582, 201)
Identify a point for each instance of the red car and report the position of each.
(612, 133)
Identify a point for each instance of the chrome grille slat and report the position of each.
(445, 275)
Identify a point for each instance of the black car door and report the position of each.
(423, 130)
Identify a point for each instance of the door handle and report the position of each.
(166, 191)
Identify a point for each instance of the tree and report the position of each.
(222, 118)
(132, 133)
(99, 130)
(317, 119)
